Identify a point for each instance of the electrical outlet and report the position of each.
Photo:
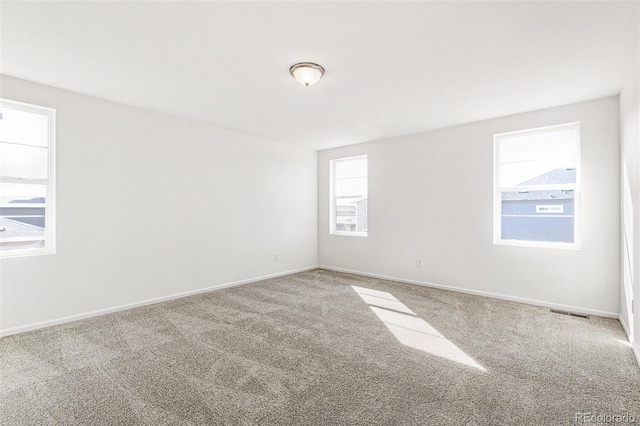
(419, 263)
(276, 257)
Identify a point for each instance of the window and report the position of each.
(27, 155)
(537, 187)
(349, 196)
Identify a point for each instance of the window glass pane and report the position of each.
(546, 216)
(32, 195)
(351, 214)
(23, 127)
(350, 168)
(12, 230)
(530, 173)
(22, 212)
(545, 146)
(23, 161)
(351, 186)
(539, 158)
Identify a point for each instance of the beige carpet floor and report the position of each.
(320, 348)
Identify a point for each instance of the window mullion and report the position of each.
(558, 187)
(26, 181)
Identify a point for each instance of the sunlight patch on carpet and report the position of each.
(411, 330)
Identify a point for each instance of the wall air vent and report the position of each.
(571, 314)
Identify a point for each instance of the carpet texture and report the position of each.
(320, 348)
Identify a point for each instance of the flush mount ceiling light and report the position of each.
(307, 73)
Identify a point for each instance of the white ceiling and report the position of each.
(392, 68)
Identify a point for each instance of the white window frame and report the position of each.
(497, 190)
(332, 197)
(49, 182)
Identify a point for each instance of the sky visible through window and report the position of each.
(22, 127)
(351, 177)
(351, 181)
(23, 153)
(525, 157)
(20, 192)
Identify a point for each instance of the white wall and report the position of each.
(150, 205)
(431, 196)
(630, 185)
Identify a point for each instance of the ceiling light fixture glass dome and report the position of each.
(307, 73)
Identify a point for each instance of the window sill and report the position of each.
(25, 253)
(349, 234)
(538, 244)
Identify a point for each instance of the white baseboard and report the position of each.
(625, 327)
(634, 347)
(480, 293)
(70, 318)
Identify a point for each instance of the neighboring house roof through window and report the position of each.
(554, 177)
(13, 229)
